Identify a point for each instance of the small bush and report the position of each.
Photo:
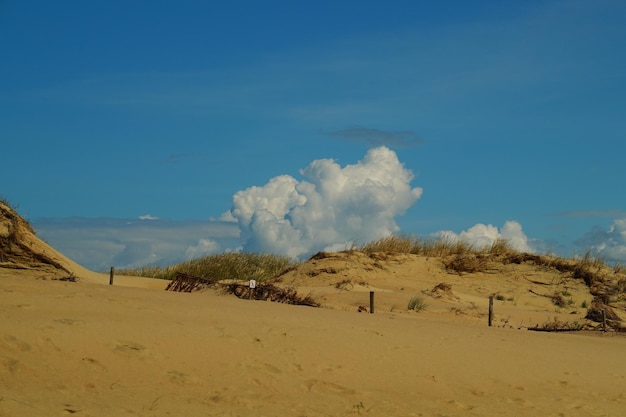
(558, 300)
(467, 263)
(417, 303)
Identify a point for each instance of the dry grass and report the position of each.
(415, 246)
(432, 247)
(226, 266)
(461, 257)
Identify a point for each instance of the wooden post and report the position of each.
(111, 275)
(604, 320)
(371, 302)
(490, 309)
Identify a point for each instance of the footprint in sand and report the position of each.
(263, 367)
(20, 306)
(12, 343)
(93, 363)
(70, 322)
(130, 349)
(8, 365)
(519, 401)
(477, 392)
(181, 378)
(326, 387)
(461, 406)
(69, 409)
(296, 367)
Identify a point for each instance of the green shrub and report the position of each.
(417, 303)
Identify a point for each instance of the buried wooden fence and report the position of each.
(188, 283)
(263, 291)
(268, 292)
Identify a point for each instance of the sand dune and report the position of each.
(82, 347)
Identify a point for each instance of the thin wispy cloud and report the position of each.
(148, 217)
(377, 137)
(126, 243)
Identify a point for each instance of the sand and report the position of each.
(85, 348)
(88, 349)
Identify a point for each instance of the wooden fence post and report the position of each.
(490, 309)
(111, 275)
(371, 302)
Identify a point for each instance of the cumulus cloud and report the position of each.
(330, 208)
(376, 137)
(480, 236)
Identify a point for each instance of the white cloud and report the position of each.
(481, 236)
(204, 247)
(610, 243)
(333, 206)
(330, 209)
(99, 244)
(513, 233)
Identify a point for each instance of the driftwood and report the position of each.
(188, 283)
(269, 292)
(560, 326)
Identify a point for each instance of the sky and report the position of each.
(152, 132)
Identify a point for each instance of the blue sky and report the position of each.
(152, 131)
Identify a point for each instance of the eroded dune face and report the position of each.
(21, 249)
